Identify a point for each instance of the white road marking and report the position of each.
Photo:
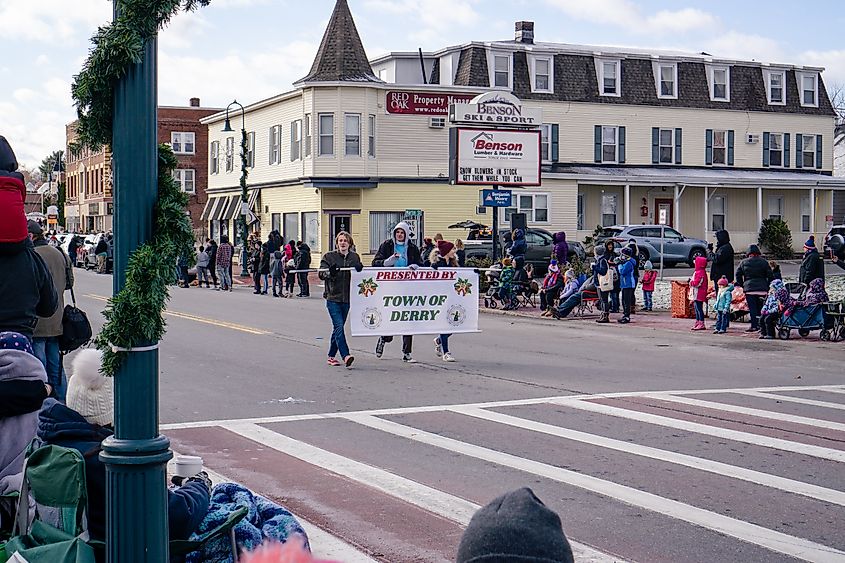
(728, 434)
(485, 405)
(438, 502)
(789, 399)
(739, 529)
(765, 479)
(753, 412)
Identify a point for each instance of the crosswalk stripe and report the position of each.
(827, 390)
(745, 531)
(752, 412)
(760, 478)
(438, 502)
(788, 399)
(726, 433)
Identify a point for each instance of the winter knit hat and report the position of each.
(516, 527)
(811, 242)
(89, 392)
(649, 265)
(753, 249)
(553, 267)
(15, 341)
(444, 247)
(723, 281)
(628, 251)
(33, 228)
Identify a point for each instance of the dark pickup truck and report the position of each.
(540, 247)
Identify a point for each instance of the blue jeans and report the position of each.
(699, 310)
(443, 340)
(614, 300)
(47, 350)
(723, 320)
(647, 299)
(225, 277)
(338, 313)
(266, 279)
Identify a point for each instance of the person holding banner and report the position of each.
(444, 255)
(398, 252)
(334, 271)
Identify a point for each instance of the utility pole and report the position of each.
(136, 456)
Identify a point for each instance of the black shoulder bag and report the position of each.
(76, 330)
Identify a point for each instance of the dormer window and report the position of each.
(720, 83)
(666, 75)
(542, 74)
(610, 77)
(776, 87)
(501, 71)
(808, 84)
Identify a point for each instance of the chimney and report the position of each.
(524, 32)
(195, 102)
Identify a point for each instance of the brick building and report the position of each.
(89, 204)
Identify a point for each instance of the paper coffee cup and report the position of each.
(187, 465)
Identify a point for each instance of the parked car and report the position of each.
(834, 230)
(539, 242)
(86, 257)
(676, 247)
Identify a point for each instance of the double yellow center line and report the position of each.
(199, 319)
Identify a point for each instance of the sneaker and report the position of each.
(379, 348)
(333, 362)
(752, 329)
(624, 321)
(408, 359)
(438, 349)
(717, 331)
(348, 361)
(447, 357)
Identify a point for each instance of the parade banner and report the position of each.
(395, 301)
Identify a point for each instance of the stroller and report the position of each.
(804, 320)
(836, 314)
(491, 298)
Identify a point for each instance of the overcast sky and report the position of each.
(252, 49)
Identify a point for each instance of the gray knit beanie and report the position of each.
(516, 527)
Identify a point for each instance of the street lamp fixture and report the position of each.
(227, 128)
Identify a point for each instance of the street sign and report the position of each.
(496, 198)
(413, 212)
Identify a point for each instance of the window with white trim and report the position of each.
(610, 79)
(808, 151)
(776, 87)
(542, 74)
(608, 209)
(667, 80)
(183, 142)
(250, 149)
(776, 150)
(720, 147)
(666, 146)
(502, 71)
(295, 139)
(185, 177)
(275, 143)
(609, 143)
(546, 142)
(382, 224)
(534, 205)
(775, 207)
(371, 136)
(805, 214)
(306, 126)
(718, 206)
(214, 157)
(326, 133)
(720, 84)
(352, 134)
(809, 87)
(230, 154)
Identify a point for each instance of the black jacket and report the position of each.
(723, 259)
(337, 286)
(385, 251)
(811, 268)
(264, 266)
(26, 288)
(59, 425)
(102, 247)
(302, 260)
(754, 274)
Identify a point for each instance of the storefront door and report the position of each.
(339, 223)
(664, 212)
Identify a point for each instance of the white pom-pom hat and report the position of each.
(89, 392)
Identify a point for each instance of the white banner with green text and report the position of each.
(394, 301)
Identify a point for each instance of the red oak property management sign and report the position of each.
(503, 157)
(422, 103)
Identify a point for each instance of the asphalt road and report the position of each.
(652, 445)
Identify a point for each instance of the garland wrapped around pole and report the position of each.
(134, 315)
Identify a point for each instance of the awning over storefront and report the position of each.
(696, 177)
(218, 209)
(253, 199)
(234, 205)
(206, 211)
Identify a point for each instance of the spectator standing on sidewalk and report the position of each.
(264, 266)
(398, 252)
(102, 252)
(701, 284)
(649, 278)
(211, 249)
(336, 293)
(628, 282)
(600, 268)
(723, 305)
(202, 267)
(303, 262)
(26, 287)
(277, 266)
(723, 257)
(812, 266)
(224, 263)
(610, 256)
(754, 275)
(45, 341)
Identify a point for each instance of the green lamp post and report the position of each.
(227, 128)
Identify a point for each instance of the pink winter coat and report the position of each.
(699, 279)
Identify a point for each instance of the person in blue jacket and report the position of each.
(84, 423)
(626, 265)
